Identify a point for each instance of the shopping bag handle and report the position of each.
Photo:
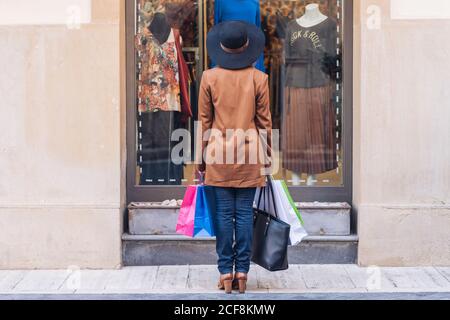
(201, 177)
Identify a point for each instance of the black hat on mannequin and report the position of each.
(159, 27)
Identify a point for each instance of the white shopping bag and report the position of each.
(289, 213)
(285, 209)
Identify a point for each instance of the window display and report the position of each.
(164, 87)
(302, 59)
(159, 80)
(309, 120)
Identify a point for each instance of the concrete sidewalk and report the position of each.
(199, 282)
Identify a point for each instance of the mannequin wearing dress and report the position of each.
(159, 103)
(312, 79)
(312, 17)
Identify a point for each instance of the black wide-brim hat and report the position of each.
(235, 44)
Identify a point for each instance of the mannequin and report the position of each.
(309, 118)
(159, 103)
(312, 16)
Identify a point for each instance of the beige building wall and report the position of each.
(402, 133)
(62, 141)
(62, 145)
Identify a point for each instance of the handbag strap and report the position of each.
(269, 182)
(269, 189)
(261, 192)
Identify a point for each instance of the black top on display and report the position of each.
(310, 54)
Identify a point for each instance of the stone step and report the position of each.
(152, 250)
(321, 219)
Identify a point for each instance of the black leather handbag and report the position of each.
(270, 235)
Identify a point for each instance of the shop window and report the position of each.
(304, 59)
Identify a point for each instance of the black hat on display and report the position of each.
(159, 27)
(235, 44)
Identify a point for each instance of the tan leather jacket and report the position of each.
(234, 99)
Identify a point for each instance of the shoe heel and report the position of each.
(242, 286)
(228, 284)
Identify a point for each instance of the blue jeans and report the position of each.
(233, 222)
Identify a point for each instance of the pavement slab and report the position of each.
(181, 282)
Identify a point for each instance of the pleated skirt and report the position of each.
(309, 130)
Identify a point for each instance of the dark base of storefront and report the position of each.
(174, 250)
(151, 238)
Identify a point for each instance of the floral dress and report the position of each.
(158, 74)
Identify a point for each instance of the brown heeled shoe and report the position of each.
(240, 282)
(226, 282)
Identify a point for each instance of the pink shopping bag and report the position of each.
(186, 218)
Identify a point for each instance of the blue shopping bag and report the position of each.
(204, 212)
